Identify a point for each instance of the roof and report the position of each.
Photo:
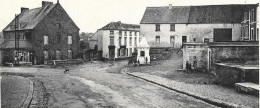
(11, 44)
(29, 19)
(143, 43)
(195, 14)
(121, 26)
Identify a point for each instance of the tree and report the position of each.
(1, 35)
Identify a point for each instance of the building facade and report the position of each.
(250, 24)
(172, 25)
(118, 40)
(44, 33)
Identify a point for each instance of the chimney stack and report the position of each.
(170, 6)
(46, 3)
(23, 9)
(119, 21)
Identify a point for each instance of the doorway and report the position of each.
(222, 35)
(184, 39)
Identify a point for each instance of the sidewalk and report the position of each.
(218, 95)
(15, 91)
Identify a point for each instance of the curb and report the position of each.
(28, 99)
(215, 102)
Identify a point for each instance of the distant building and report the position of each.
(170, 26)
(118, 40)
(45, 33)
(250, 23)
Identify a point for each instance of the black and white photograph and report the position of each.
(129, 53)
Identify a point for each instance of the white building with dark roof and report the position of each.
(170, 26)
(118, 40)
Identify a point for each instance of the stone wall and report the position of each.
(229, 74)
(198, 50)
(234, 54)
(160, 53)
(57, 25)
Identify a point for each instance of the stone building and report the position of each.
(117, 40)
(44, 33)
(170, 26)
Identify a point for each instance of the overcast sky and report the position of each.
(90, 15)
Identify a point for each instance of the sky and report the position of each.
(90, 15)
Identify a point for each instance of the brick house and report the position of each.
(44, 33)
(117, 40)
(170, 26)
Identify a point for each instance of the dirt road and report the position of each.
(101, 84)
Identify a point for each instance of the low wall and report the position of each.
(64, 62)
(161, 53)
(229, 74)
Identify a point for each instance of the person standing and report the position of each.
(195, 62)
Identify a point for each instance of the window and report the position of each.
(157, 28)
(172, 40)
(206, 40)
(245, 16)
(120, 39)
(120, 32)
(69, 54)
(111, 40)
(46, 40)
(135, 41)
(252, 15)
(172, 27)
(111, 32)
(130, 40)
(69, 39)
(58, 55)
(125, 40)
(58, 25)
(194, 39)
(157, 39)
(130, 33)
(125, 33)
(46, 55)
(135, 33)
(130, 51)
(142, 53)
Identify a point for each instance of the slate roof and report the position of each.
(195, 14)
(120, 26)
(29, 19)
(11, 44)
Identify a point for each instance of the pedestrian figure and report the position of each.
(195, 61)
(188, 66)
(146, 60)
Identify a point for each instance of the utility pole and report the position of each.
(16, 24)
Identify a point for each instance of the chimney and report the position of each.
(23, 9)
(170, 6)
(119, 21)
(46, 3)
